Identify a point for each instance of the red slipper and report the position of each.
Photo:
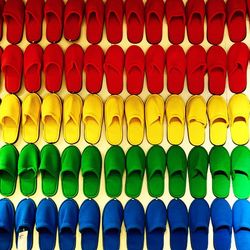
(53, 67)
(237, 61)
(12, 68)
(114, 20)
(195, 11)
(33, 58)
(34, 20)
(53, 11)
(196, 69)
(217, 69)
(93, 66)
(176, 20)
(176, 69)
(74, 61)
(73, 16)
(13, 14)
(154, 13)
(113, 68)
(2, 3)
(94, 20)
(134, 66)
(134, 11)
(236, 20)
(155, 64)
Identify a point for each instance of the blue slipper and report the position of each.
(89, 224)
(67, 223)
(178, 224)
(156, 219)
(25, 222)
(221, 216)
(111, 223)
(199, 216)
(134, 219)
(46, 224)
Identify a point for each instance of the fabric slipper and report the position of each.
(2, 3)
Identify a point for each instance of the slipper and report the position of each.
(73, 17)
(134, 12)
(238, 114)
(114, 10)
(134, 112)
(67, 223)
(237, 57)
(196, 119)
(94, 20)
(51, 117)
(53, 67)
(134, 67)
(175, 113)
(218, 119)
(93, 67)
(199, 217)
(2, 3)
(135, 168)
(114, 111)
(113, 68)
(50, 169)
(91, 168)
(74, 59)
(155, 170)
(154, 114)
(197, 172)
(155, 65)
(31, 112)
(177, 171)
(176, 20)
(156, 220)
(28, 164)
(32, 67)
(134, 220)
(92, 117)
(71, 163)
(196, 69)
(176, 69)
(8, 169)
(13, 14)
(53, 12)
(10, 114)
(12, 68)
(72, 113)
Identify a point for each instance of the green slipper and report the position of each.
(240, 160)
(50, 169)
(135, 168)
(70, 163)
(155, 169)
(220, 170)
(114, 165)
(197, 171)
(28, 164)
(8, 169)
(91, 168)
(177, 171)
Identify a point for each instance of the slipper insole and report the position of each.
(177, 28)
(200, 238)
(134, 239)
(155, 239)
(237, 25)
(52, 26)
(73, 25)
(67, 239)
(114, 183)
(241, 185)
(134, 80)
(112, 239)
(28, 182)
(92, 129)
(179, 238)
(51, 129)
(91, 184)
(49, 184)
(217, 26)
(221, 184)
(134, 183)
(154, 26)
(156, 184)
(197, 27)
(46, 240)
(7, 184)
(177, 185)
(134, 27)
(69, 184)
(5, 239)
(222, 238)
(198, 186)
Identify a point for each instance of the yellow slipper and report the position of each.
(72, 111)
(92, 118)
(218, 119)
(154, 112)
(114, 111)
(196, 119)
(51, 117)
(10, 114)
(175, 113)
(238, 113)
(31, 112)
(134, 111)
